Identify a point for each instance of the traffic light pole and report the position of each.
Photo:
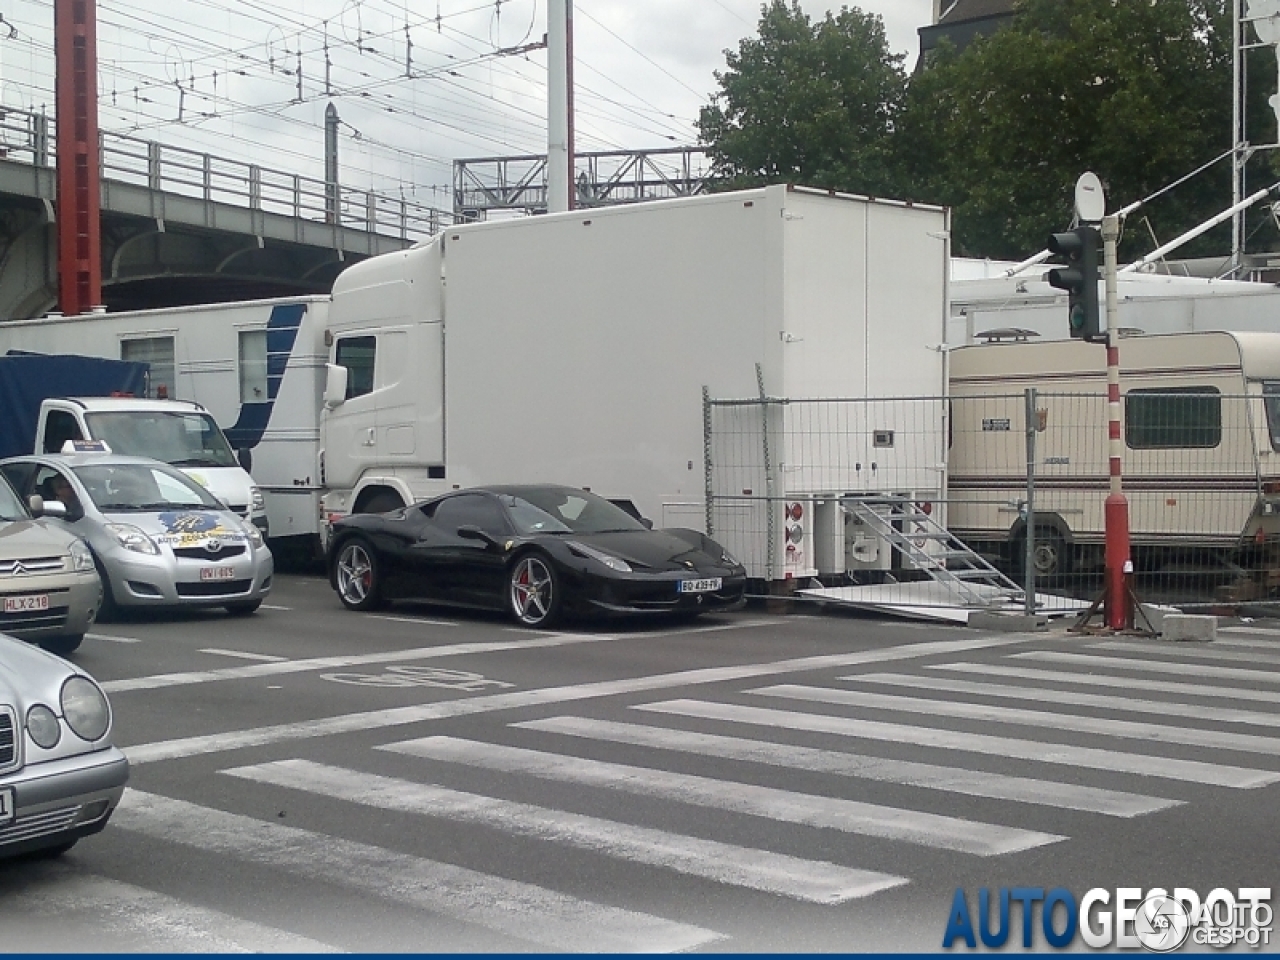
(1118, 609)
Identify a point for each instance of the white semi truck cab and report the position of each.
(179, 432)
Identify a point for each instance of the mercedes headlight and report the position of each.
(608, 559)
(131, 538)
(256, 502)
(81, 556)
(42, 724)
(84, 707)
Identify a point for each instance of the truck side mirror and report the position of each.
(335, 385)
(244, 456)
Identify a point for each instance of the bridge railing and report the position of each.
(27, 137)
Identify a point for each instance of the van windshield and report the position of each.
(1271, 398)
(181, 439)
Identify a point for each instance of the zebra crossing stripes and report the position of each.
(975, 783)
(1103, 680)
(849, 816)
(1199, 651)
(1196, 671)
(1072, 698)
(810, 880)
(1092, 758)
(520, 910)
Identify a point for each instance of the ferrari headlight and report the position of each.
(256, 502)
(81, 556)
(84, 707)
(609, 560)
(42, 724)
(131, 538)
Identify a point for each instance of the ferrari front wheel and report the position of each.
(534, 591)
(357, 577)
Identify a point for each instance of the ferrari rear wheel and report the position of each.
(535, 591)
(357, 577)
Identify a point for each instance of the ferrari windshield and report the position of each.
(565, 510)
(181, 439)
(10, 506)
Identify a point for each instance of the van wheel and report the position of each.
(68, 643)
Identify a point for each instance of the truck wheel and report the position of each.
(382, 502)
(68, 643)
(534, 592)
(356, 575)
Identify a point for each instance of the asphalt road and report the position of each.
(309, 779)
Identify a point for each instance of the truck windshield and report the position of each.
(10, 506)
(1271, 397)
(181, 439)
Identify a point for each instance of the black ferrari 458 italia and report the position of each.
(535, 551)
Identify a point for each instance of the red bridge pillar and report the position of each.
(79, 238)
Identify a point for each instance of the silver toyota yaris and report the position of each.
(159, 538)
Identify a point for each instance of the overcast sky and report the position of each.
(417, 83)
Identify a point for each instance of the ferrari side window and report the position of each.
(471, 509)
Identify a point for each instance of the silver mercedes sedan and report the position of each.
(60, 776)
(158, 537)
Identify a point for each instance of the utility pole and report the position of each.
(331, 164)
(79, 198)
(560, 185)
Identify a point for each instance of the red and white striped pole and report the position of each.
(1119, 614)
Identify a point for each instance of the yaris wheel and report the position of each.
(357, 577)
(534, 592)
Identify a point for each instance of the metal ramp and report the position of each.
(969, 579)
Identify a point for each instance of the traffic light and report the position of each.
(1080, 279)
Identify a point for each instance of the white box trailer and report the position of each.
(575, 347)
(1201, 455)
(256, 366)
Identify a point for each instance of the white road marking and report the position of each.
(811, 880)
(268, 606)
(243, 655)
(1194, 670)
(378, 719)
(161, 680)
(1090, 758)
(421, 621)
(145, 919)
(1262, 631)
(1100, 726)
(1098, 680)
(111, 637)
(521, 910)
(849, 816)
(1205, 651)
(974, 783)
(1073, 698)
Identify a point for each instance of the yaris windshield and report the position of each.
(139, 487)
(556, 510)
(180, 439)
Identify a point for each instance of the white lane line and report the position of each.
(243, 655)
(812, 880)
(849, 816)
(1194, 670)
(111, 637)
(269, 606)
(421, 621)
(1090, 758)
(146, 919)
(521, 910)
(1098, 680)
(161, 680)
(378, 719)
(1073, 698)
(1262, 631)
(973, 783)
(1204, 651)
(1099, 726)
(709, 628)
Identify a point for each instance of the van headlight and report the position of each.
(257, 504)
(81, 556)
(84, 707)
(131, 538)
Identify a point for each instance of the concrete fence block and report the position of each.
(1185, 626)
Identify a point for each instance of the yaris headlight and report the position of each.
(253, 534)
(609, 560)
(84, 707)
(81, 556)
(131, 538)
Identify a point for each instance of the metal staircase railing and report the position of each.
(901, 522)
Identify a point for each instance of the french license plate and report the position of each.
(6, 805)
(700, 586)
(36, 601)
(217, 573)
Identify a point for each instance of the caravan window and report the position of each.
(157, 351)
(356, 354)
(253, 366)
(1172, 417)
(1271, 398)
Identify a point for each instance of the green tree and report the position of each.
(809, 103)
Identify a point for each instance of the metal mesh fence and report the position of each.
(794, 488)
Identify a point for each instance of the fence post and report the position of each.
(708, 491)
(1029, 531)
(770, 535)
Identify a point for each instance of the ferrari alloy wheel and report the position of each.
(356, 576)
(535, 592)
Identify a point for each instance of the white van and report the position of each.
(179, 432)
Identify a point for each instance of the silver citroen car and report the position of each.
(158, 537)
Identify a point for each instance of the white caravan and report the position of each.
(256, 366)
(575, 347)
(1201, 456)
